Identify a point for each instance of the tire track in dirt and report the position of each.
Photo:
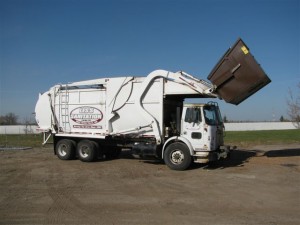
(14, 187)
(143, 194)
(62, 188)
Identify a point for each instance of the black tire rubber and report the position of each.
(98, 150)
(86, 151)
(65, 149)
(180, 152)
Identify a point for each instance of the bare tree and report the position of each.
(293, 103)
(9, 119)
(28, 122)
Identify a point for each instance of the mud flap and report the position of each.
(237, 75)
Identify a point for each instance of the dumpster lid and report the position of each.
(237, 75)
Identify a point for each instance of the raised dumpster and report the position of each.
(237, 75)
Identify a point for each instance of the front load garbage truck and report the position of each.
(148, 115)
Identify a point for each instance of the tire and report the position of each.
(86, 151)
(177, 156)
(65, 149)
(98, 150)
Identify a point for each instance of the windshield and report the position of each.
(212, 115)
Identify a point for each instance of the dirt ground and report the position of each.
(258, 185)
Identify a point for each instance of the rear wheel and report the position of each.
(86, 150)
(177, 156)
(65, 149)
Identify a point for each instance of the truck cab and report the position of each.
(201, 137)
(202, 125)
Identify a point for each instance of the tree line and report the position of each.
(9, 119)
(13, 119)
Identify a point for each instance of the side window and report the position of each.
(188, 115)
(193, 115)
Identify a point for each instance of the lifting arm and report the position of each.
(200, 86)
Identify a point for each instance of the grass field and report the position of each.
(248, 138)
(238, 138)
(21, 140)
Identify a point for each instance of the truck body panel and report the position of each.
(110, 106)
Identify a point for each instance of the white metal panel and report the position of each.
(81, 110)
(89, 82)
(89, 97)
(43, 112)
(122, 96)
(130, 116)
(173, 88)
(118, 90)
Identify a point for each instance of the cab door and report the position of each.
(192, 126)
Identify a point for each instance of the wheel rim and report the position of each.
(84, 151)
(177, 157)
(62, 150)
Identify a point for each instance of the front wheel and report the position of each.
(87, 151)
(177, 156)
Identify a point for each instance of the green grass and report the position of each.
(239, 138)
(21, 140)
(248, 138)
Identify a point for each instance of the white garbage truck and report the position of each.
(148, 115)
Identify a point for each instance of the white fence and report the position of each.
(259, 126)
(31, 129)
(18, 129)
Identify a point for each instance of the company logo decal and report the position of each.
(86, 115)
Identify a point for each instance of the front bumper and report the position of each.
(208, 156)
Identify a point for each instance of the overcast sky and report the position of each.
(46, 42)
